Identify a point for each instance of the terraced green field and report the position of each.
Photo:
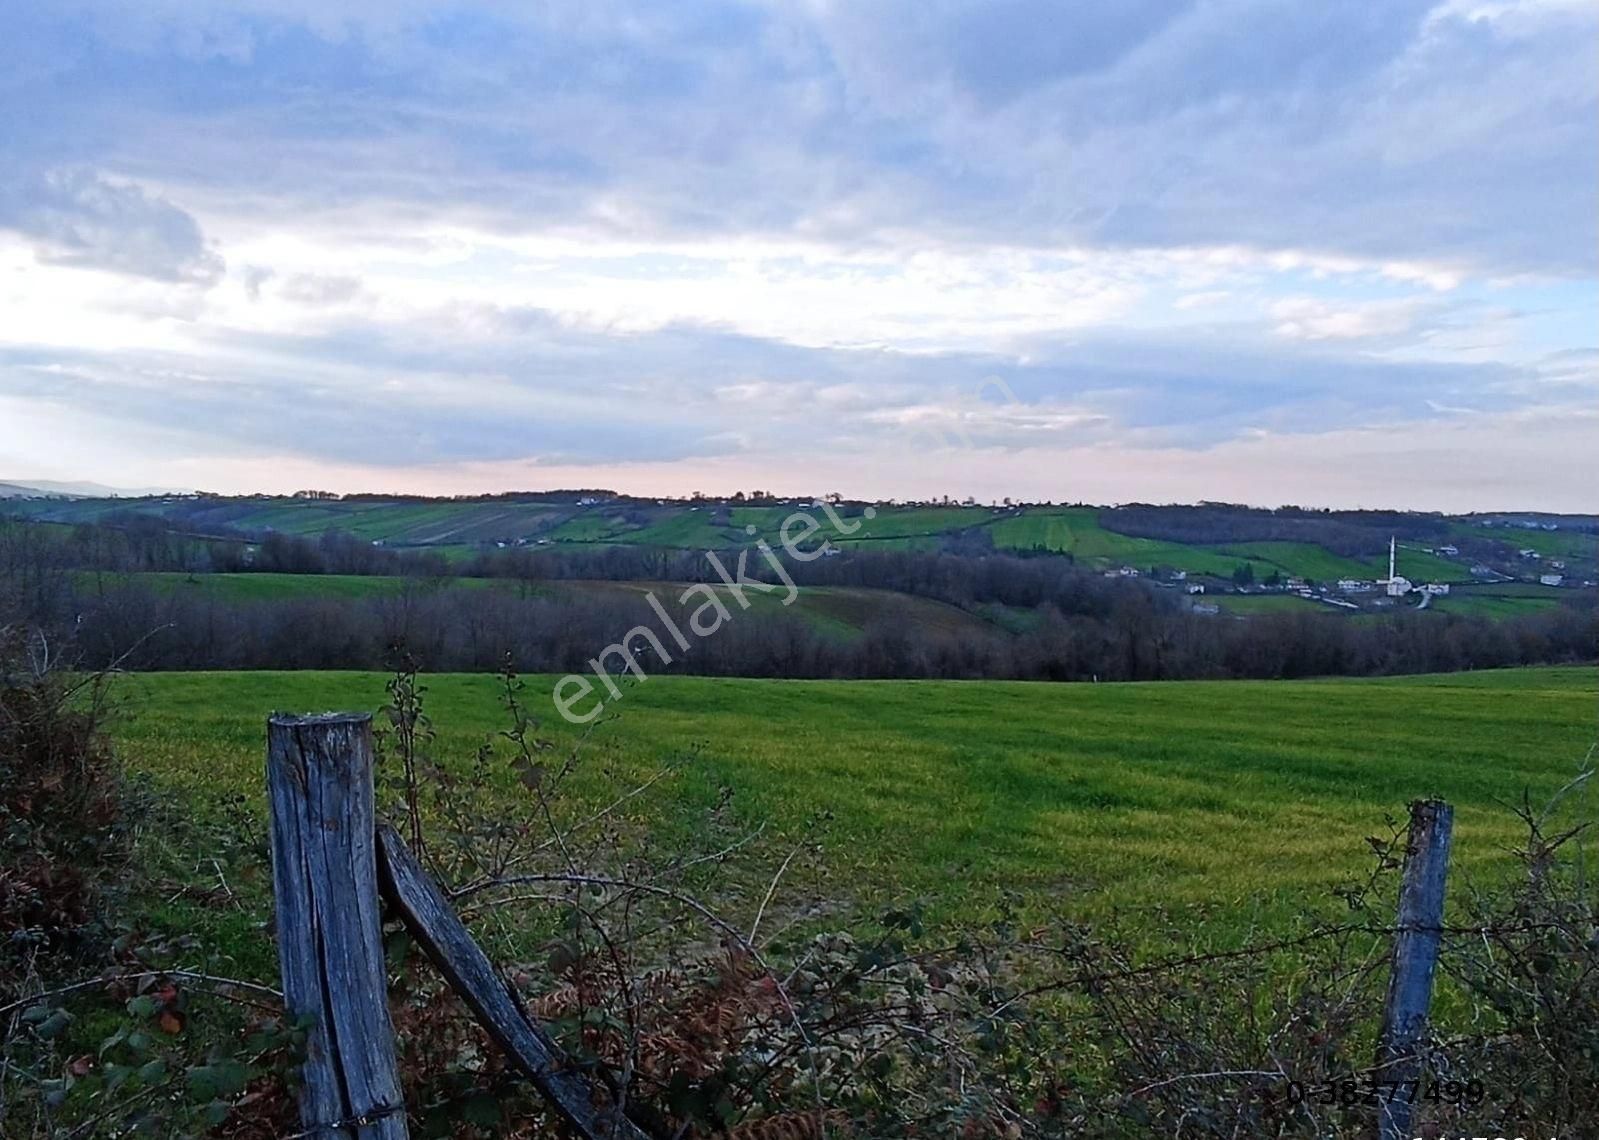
(1307, 560)
(1076, 531)
(460, 528)
(1550, 544)
(891, 523)
(1244, 799)
(399, 523)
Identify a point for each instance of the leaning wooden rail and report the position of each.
(327, 854)
(422, 906)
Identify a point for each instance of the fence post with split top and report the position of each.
(330, 944)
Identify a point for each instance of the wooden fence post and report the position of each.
(1415, 957)
(324, 876)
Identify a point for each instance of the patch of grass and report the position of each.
(268, 587)
(1509, 599)
(1515, 590)
(1565, 544)
(1493, 606)
(1299, 559)
(1241, 798)
(1076, 531)
(688, 529)
(912, 522)
(591, 526)
(1270, 604)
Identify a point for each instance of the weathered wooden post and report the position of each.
(1415, 958)
(324, 875)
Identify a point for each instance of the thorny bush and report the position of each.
(66, 816)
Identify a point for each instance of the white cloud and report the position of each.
(1307, 318)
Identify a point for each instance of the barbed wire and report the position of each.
(369, 1117)
(1178, 964)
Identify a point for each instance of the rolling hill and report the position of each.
(1320, 548)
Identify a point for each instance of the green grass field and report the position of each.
(1563, 544)
(1245, 798)
(1493, 606)
(1514, 590)
(1076, 531)
(271, 587)
(1508, 599)
(891, 523)
(1269, 604)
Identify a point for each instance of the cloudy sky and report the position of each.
(1258, 250)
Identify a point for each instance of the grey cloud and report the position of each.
(534, 388)
(316, 288)
(253, 277)
(1386, 130)
(78, 218)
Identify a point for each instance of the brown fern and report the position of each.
(810, 1125)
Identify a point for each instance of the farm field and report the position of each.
(838, 610)
(260, 586)
(1505, 599)
(1549, 544)
(1242, 799)
(1307, 560)
(462, 530)
(1268, 604)
(1494, 605)
(1076, 531)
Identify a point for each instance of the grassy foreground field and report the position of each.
(1243, 797)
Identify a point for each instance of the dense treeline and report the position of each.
(958, 578)
(1077, 625)
(1132, 637)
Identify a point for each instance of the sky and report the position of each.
(1258, 251)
